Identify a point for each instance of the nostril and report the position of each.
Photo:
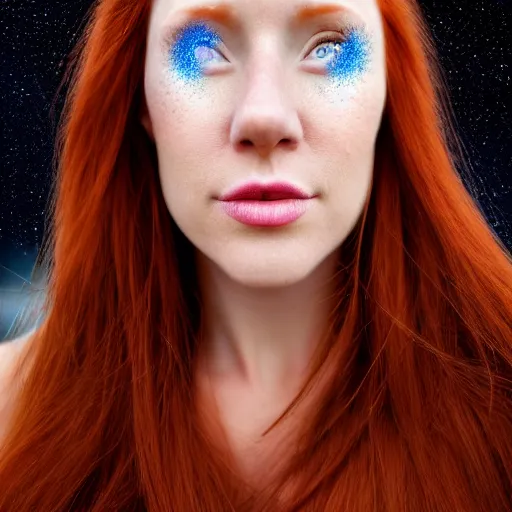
(248, 143)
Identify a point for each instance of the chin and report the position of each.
(262, 280)
(267, 264)
(269, 272)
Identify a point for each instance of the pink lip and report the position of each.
(266, 205)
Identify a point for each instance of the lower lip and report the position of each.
(266, 213)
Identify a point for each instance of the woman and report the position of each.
(372, 305)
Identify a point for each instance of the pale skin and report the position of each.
(11, 352)
(264, 109)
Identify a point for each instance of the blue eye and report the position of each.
(325, 52)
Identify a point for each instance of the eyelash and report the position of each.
(170, 38)
(327, 39)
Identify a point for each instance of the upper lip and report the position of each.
(265, 192)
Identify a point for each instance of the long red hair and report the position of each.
(418, 413)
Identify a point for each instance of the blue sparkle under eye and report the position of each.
(183, 57)
(352, 59)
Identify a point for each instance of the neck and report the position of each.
(264, 337)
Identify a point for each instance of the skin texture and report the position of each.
(265, 109)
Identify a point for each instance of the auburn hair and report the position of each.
(418, 412)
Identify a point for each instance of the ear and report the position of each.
(146, 120)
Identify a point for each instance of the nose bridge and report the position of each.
(265, 78)
(265, 115)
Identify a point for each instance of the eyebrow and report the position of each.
(224, 13)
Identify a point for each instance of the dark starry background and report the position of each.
(473, 38)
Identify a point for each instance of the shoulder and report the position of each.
(10, 353)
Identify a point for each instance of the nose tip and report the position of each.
(266, 135)
(265, 119)
(266, 131)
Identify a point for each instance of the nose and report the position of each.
(265, 118)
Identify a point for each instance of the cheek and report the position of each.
(345, 142)
(171, 115)
(182, 128)
(345, 131)
(184, 138)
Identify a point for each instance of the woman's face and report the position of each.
(265, 91)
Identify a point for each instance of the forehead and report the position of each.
(268, 12)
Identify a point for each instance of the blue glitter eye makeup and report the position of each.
(196, 45)
(193, 44)
(349, 58)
